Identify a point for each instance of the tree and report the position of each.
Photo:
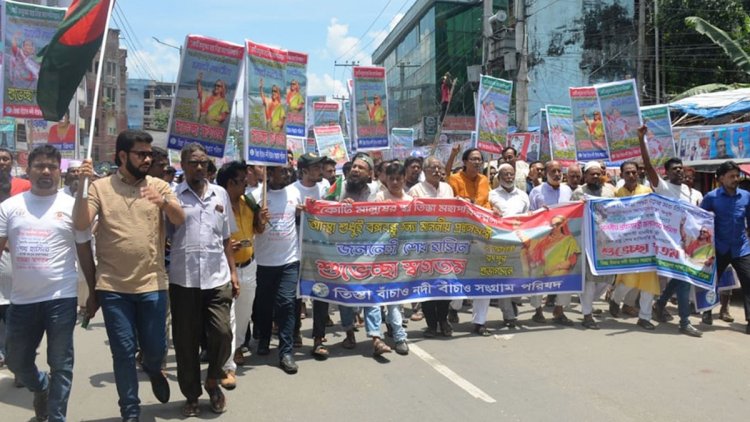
(160, 120)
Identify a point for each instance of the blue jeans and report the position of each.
(134, 320)
(682, 289)
(347, 314)
(374, 317)
(26, 326)
(276, 298)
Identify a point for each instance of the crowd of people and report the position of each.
(215, 257)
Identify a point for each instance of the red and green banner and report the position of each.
(68, 55)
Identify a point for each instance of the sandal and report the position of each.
(350, 341)
(320, 351)
(218, 401)
(191, 409)
(379, 347)
(239, 357)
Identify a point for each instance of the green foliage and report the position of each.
(161, 119)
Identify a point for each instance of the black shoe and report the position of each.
(160, 387)
(264, 347)
(402, 348)
(614, 308)
(40, 405)
(691, 331)
(707, 318)
(646, 325)
(659, 312)
(511, 324)
(288, 365)
(446, 329)
(453, 316)
(481, 330)
(588, 322)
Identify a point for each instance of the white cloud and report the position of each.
(379, 36)
(161, 61)
(324, 85)
(339, 43)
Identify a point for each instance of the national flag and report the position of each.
(69, 54)
(334, 192)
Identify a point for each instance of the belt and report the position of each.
(246, 263)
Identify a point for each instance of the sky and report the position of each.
(328, 30)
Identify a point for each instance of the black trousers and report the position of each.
(435, 311)
(742, 266)
(193, 312)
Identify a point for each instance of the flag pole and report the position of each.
(97, 86)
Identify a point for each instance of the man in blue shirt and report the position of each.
(731, 208)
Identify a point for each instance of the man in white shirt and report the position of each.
(675, 189)
(37, 227)
(202, 281)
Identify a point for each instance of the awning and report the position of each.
(715, 104)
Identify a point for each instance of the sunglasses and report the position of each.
(142, 154)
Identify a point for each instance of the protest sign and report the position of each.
(719, 142)
(265, 112)
(8, 133)
(27, 28)
(297, 145)
(385, 253)
(561, 135)
(526, 145)
(206, 86)
(659, 135)
(309, 114)
(330, 143)
(544, 145)
(371, 108)
(325, 114)
(589, 127)
(621, 114)
(651, 233)
(402, 142)
(492, 113)
(296, 91)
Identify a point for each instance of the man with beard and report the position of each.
(202, 281)
(71, 178)
(38, 226)
(595, 286)
(413, 166)
(17, 185)
(159, 162)
(277, 254)
(549, 193)
(675, 189)
(131, 282)
(329, 170)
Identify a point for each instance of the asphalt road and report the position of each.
(535, 373)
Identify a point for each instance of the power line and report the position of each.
(366, 30)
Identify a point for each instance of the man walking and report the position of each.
(38, 227)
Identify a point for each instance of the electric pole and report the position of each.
(641, 63)
(522, 77)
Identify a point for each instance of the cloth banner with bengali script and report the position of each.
(398, 252)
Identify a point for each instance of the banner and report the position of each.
(651, 233)
(708, 299)
(402, 142)
(618, 102)
(297, 145)
(206, 86)
(589, 128)
(296, 91)
(386, 253)
(561, 134)
(719, 142)
(27, 28)
(544, 147)
(330, 143)
(309, 114)
(8, 133)
(492, 113)
(265, 111)
(659, 135)
(371, 109)
(325, 114)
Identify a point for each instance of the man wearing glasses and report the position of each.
(131, 282)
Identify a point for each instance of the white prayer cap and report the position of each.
(592, 164)
(74, 164)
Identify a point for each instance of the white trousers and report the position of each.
(482, 306)
(242, 310)
(592, 290)
(622, 291)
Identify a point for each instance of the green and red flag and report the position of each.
(69, 55)
(334, 192)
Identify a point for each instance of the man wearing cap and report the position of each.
(309, 186)
(594, 285)
(71, 178)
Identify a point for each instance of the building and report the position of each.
(149, 103)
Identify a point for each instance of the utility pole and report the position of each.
(522, 77)
(641, 63)
(656, 52)
(486, 33)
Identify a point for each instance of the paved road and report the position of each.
(536, 373)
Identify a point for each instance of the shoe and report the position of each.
(630, 311)
(562, 320)
(402, 348)
(481, 330)
(17, 383)
(288, 365)
(691, 331)
(160, 386)
(297, 343)
(646, 325)
(446, 329)
(229, 382)
(329, 322)
(429, 333)
(190, 409)
(726, 317)
(588, 322)
(707, 318)
(264, 347)
(614, 309)
(417, 316)
(218, 401)
(319, 351)
(350, 341)
(659, 312)
(510, 323)
(539, 318)
(379, 347)
(550, 301)
(453, 316)
(239, 357)
(41, 409)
